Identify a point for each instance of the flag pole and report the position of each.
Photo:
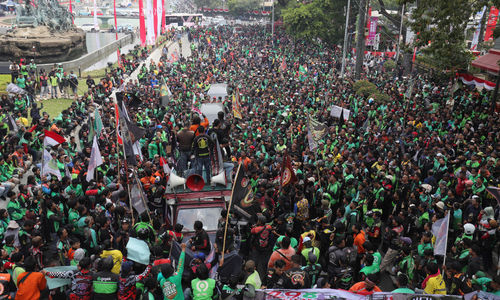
(446, 243)
(227, 216)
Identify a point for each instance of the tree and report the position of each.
(240, 7)
(360, 38)
(441, 30)
(323, 19)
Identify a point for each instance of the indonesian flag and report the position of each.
(52, 138)
(166, 168)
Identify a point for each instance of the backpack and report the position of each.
(263, 237)
(351, 254)
(82, 285)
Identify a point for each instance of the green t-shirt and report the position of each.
(172, 286)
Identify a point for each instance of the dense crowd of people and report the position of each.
(361, 211)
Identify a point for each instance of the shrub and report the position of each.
(389, 65)
(380, 97)
(361, 83)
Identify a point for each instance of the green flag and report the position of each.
(97, 123)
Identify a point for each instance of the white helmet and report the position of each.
(469, 229)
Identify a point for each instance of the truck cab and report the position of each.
(186, 206)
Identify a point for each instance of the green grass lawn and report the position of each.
(4, 80)
(55, 106)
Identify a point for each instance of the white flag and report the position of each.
(150, 38)
(136, 147)
(475, 37)
(50, 165)
(440, 231)
(136, 195)
(95, 160)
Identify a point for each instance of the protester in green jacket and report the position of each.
(170, 281)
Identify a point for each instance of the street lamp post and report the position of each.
(272, 24)
(344, 48)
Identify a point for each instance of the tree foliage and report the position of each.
(240, 7)
(322, 19)
(441, 30)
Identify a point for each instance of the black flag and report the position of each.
(242, 194)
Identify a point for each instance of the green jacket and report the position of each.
(16, 212)
(203, 289)
(172, 286)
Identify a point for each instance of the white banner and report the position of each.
(440, 231)
(475, 38)
(150, 39)
(159, 13)
(320, 294)
(96, 24)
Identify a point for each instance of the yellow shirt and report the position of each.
(23, 121)
(435, 285)
(117, 259)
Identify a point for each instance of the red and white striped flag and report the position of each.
(52, 138)
(166, 168)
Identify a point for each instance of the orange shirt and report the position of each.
(360, 289)
(194, 127)
(30, 288)
(288, 253)
(359, 240)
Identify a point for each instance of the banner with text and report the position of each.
(372, 31)
(491, 24)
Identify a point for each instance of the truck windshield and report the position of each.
(207, 215)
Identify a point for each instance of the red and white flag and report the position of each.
(52, 138)
(166, 168)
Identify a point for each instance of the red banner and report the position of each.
(491, 24)
(155, 17)
(142, 24)
(70, 11)
(163, 25)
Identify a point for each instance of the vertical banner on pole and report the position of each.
(70, 11)
(155, 18)
(372, 31)
(150, 25)
(159, 12)
(163, 16)
(142, 24)
(475, 38)
(96, 26)
(491, 24)
(116, 34)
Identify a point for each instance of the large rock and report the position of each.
(49, 46)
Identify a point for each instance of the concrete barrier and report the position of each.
(93, 57)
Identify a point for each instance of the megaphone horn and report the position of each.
(174, 180)
(195, 182)
(219, 179)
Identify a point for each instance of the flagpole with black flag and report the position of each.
(227, 215)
